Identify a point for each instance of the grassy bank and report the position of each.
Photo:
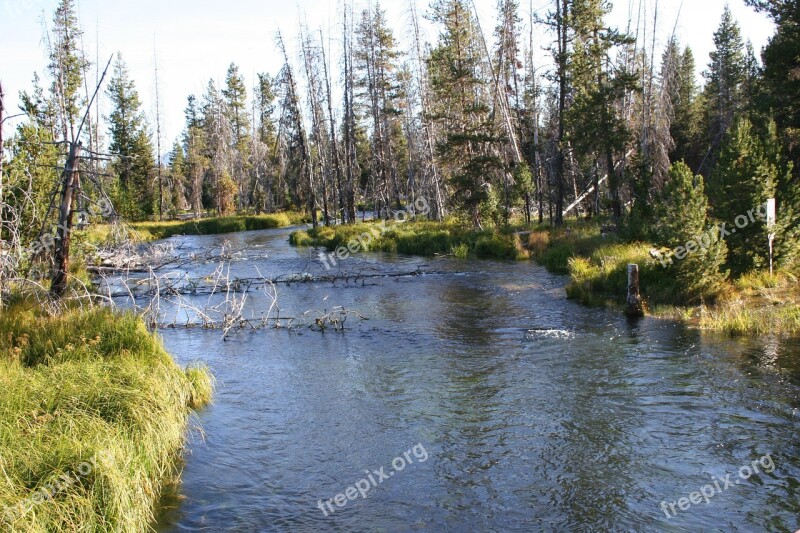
(416, 238)
(597, 266)
(149, 231)
(93, 418)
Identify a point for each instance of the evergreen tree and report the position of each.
(29, 178)
(781, 70)
(787, 196)
(177, 178)
(460, 107)
(130, 142)
(682, 91)
(265, 108)
(683, 222)
(235, 94)
(67, 67)
(725, 77)
(749, 172)
(598, 132)
(219, 134)
(196, 162)
(236, 114)
(377, 71)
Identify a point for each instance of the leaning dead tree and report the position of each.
(70, 184)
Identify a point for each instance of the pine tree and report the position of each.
(725, 77)
(686, 113)
(67, 67)
(787, 196)
(377, 70)
(781, 70)
(599, 134)
(196, 163)
(751, 170)
(235, 94)
(460, 107)
(265, 97)
(29, 178)
(177, 177)
(220, 138)
(683, 222)
(130, 142)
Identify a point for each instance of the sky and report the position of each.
(192, 41)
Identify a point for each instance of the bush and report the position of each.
(495, 247)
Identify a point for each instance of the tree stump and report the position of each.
(635, 309)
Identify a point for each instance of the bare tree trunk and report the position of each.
(351, 160)
(158, 149)
(334, 140)
(2, 112)
(312, 76)
(562, 11)
(69, 183)
(307, 170)
(427, 124)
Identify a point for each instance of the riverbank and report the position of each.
(151, 231)
(416, 238)
(597, 265)
(756, 303)
(93, 418)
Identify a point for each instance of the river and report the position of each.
(509, 407)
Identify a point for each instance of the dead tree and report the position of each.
(318, 133)
(351, 156)
(70, 182)
(158, 148)
(428, 125)
(337, 163)
(70, 185)
(290, 86)
(2, 119)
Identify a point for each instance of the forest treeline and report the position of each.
(470, 122)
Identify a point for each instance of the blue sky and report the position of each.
(195, 40)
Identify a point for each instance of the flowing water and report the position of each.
(533, 412)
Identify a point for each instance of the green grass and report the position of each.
(215, 226)
(148, 231)
(92, 396)
(416, 238)
(754, 304)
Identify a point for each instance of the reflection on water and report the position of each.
(537, 413)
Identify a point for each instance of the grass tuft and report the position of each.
(93, 417)
(416, 238)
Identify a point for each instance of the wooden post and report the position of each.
(635, 307)
(64, 232)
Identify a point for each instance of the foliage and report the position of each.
(751, 170)
(130, 142)
(682, 219)
(93, 396)
(414, 238)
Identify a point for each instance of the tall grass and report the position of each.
(416, 238)
(149, 231)
(92, 388)
(215, 226)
